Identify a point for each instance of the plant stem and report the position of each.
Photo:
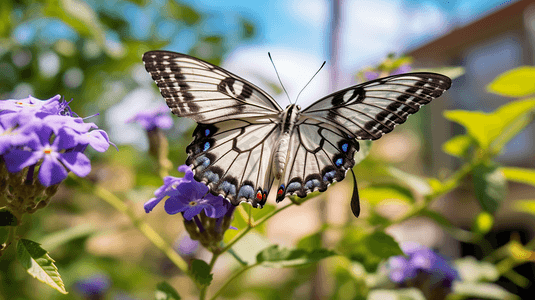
(141, 225)
(241, 271)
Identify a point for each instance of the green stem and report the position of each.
(141, 225)
(251, 226)
(241, 271)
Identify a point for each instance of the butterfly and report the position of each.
(244, 141)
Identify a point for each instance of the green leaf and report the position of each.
(248, 29)
(498, 128)
(484, 128)
(419, 184)
(380, 192)
(310, 242)
(164, 291)
(182, 12)
(490, 186)
(458, 146)
(515, 116)
(274, 257)
(521, 175)
(39, 264)
(201, 272)
(451, 72)
(382, 245)
(527, 206)
(519, 82)
(364, 150)
(7, 218)
(369, 249)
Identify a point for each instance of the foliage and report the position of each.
(97, 225)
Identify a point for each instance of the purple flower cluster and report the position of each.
(94, 287)
(206, 217)
(420, 260)
(48, 135)
(374, 74)
(149, 120)
(188, 196)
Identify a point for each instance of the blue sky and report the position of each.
(371, 28)
(296, 33)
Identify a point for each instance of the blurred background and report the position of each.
(90, 52)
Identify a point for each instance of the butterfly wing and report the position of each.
(323, 142)
(233, 158)
(204, 92)
(371, 109)
(319, 154)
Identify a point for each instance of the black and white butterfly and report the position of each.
(245, 141)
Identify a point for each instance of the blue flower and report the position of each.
(420, 260)
(93, 287)
(187, 246)
(149, 120)
(48, 135)
(188, 196)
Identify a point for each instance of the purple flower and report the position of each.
(54, 159)
(93, 287)
(371, 75)
(420, 260)
(188, 196)
(187, 246)
(31, 105)
(149, 120)
(49, 135)
(402, 69)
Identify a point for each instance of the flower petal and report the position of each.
(51, 171)
(77, 162)
(17, 160)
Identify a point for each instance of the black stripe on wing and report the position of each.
(371, 109)
(204, 92)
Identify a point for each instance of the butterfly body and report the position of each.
(245, 141)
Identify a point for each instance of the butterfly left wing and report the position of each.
(233, 158)
(318, 155)
(204, 92)
(369, 110)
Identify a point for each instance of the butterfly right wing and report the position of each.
(204, 92)
(233, 158)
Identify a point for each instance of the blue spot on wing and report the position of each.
(206, 146)
(345, 146)
(339, 162)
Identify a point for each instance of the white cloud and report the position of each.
(295, 69)
(373, 28)
(313, 12)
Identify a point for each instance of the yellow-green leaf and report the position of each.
(378, 193)
(518, 82)
(484, 128)
(521, 175)
(527, 206)
(39, 264)
(458, 145)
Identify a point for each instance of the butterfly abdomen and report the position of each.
(289, 118)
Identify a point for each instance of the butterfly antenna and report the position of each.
(310, 80)
(276, 72)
